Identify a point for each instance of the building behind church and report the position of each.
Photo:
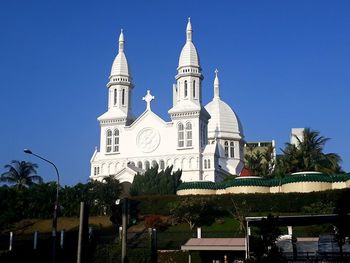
(204, 141)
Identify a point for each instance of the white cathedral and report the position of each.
(205, 142)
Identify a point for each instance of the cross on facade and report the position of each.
(148, 98)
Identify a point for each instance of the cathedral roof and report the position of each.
(112, 113)
(120, 65)
(223, 122)
(189, 55)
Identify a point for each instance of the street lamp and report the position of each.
(55, 211)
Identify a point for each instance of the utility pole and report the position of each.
(55, 211)
(83, 233)
(124, 228)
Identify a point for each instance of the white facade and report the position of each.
(206, 143)
(297, 134)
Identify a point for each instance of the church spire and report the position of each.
(189, 31)
(120, 86)
(121, 41)
(216, 85)
(120, 65)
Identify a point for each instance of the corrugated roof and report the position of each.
(310, 177)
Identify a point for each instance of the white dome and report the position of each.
(120, 65)
(189, 56)
(224, 121)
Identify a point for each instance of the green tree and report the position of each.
(308, 155)
(195, 211)
(261, 163)
(239, 211)
(153, 182)
(21, 174)
(269, 231)
(341, 224)
(267, 250)
(106, 192)
(71, 196)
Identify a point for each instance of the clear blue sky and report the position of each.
(282, 64)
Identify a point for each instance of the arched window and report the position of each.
(123, 97)
(132, 163)
(109, 141)
(208, 164)
(147, 165)
(154, 164)
(116, 140)
(226, 148)
(185, 88)
(180, 135)
(115, 96)
(205, 164)
(139, 164)
(188, 134)
(232, 150)
(194, 89)
(161, 164)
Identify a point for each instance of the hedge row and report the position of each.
(253, 203)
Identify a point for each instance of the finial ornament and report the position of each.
(216, 85)
(121, 41)
(189, 30)
(148, 98)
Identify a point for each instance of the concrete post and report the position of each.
(83, 233)
(11, 241)
(124, 229)
(120, 233)
(199, 232)
(35, 245)
(62, 239)
(247, 241)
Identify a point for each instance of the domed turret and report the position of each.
(120, 65)
(224, 121)
(187, 92)
(189, 56)
(226, 130)
(119, 88)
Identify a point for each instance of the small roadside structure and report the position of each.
(216, 249)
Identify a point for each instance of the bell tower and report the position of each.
(188, 87)
(120, 87)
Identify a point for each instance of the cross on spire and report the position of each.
(148, 98)
(216, 85)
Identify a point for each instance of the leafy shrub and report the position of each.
(111, 253)
(153, 221)
(154, 183)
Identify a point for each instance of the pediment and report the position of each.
(150, 118)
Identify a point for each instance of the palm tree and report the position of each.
(308, 155)
(21, 174)
(260, 163)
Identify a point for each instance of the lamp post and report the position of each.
(55, 211)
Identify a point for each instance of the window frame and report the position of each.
(226, 148)
(109, 140)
